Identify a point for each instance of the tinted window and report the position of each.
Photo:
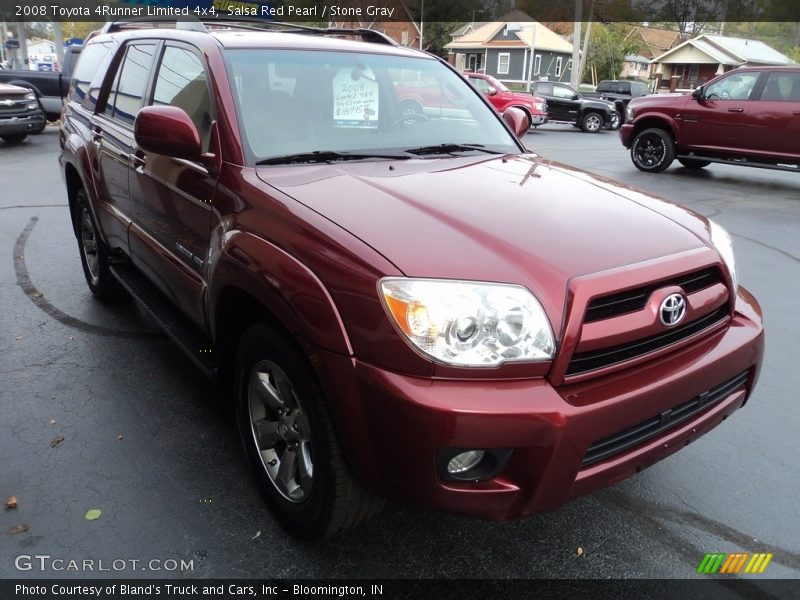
(560, 91)
(125, 98)
(782, 87)
(182, 82)
(88, 65)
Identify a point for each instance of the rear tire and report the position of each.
(94, 253)
(592, 122)
(15, 138)
(694, 163)
(652, 150)
(289, 437)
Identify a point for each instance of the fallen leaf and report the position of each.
(120, 436)
(58, 439)
(19, 337)
(18, 529)
(93, 514)
(579, 551)
(12, 503)
(257, 535)
(37, 295)
(52, 421)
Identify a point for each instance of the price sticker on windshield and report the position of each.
(355, 99)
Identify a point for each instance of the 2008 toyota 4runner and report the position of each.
(402, 303)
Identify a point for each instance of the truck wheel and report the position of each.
(616, 121)
(94, 253)
(592, 122)
(15, 138)
(652, 150)
(694, 163)
(289, 437)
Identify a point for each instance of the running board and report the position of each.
(743, 162)
(187, 335)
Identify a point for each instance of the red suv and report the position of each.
(502, 98)
(402, 304)
(749, 116)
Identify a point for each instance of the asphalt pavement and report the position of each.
(98, 410)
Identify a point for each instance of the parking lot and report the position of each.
(98, 410)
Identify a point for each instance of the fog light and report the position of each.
(465, 461)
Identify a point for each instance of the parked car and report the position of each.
(402, 304)
(502, 98)
(20, 114)
(49, 86)
(565, 105)
(619, 92)
(749, 116)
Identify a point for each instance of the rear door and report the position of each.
(112, 137)
(775, 116)
(172, 198)
(721, 122)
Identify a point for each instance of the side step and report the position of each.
(743, 162)
(190, 339)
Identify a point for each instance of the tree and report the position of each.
(607, 49)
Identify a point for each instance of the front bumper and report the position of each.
(392, 426)
(29, 123)
(626, 134)
(538, 120)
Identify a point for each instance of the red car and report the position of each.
(749, 116)
(502, 98)
(403, 304)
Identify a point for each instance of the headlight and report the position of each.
(628, 114)
(540, 106)
(30, 96)
(469, 323)
(724, 244)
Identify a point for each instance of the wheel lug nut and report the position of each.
(273, 462)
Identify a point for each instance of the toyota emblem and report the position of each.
(672, 309)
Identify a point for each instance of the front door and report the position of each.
(171, 198)
(563, 103)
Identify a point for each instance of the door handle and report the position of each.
(97, 134)
(735, 110)
(796, 113)
(138, 158)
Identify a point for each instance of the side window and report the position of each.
(182, 82)
(782, 87)
(88, 65)
(125, 97)
(545, 89)
(736, 86)
(560, 91)
(481, 84)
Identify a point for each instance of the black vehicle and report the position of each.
(50, 87)
(619, 92)
(20, 114)
(565, 105)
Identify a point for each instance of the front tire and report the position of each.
(694, 163)
(289, 437)
(652, 150)
(94, 253)
(592, 122)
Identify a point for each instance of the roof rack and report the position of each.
(204, 25)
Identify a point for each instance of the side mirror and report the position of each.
(167, 130)
(699, 93)
(576, 96)
(491, 91)
(517, 120)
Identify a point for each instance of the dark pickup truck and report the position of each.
(565, 105)
(619, 93)
(49, 87)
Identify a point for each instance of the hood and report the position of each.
(673, 98)
(514, 219)
(12, 90)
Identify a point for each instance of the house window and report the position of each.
(537, 64)
(404, 37)
(502, 63)
(569, 65)
(558, 67)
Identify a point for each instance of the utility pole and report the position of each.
(23, 45)
(59, 40)
(586, 41)
(574, 75)
(3, 38)
(421, 22)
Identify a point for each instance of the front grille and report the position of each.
(597, 359)
(633, 300)
(633, 436)
(17, 104)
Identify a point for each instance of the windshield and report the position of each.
(330, 104)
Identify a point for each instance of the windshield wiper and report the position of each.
(319, 156)
(450, 148)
